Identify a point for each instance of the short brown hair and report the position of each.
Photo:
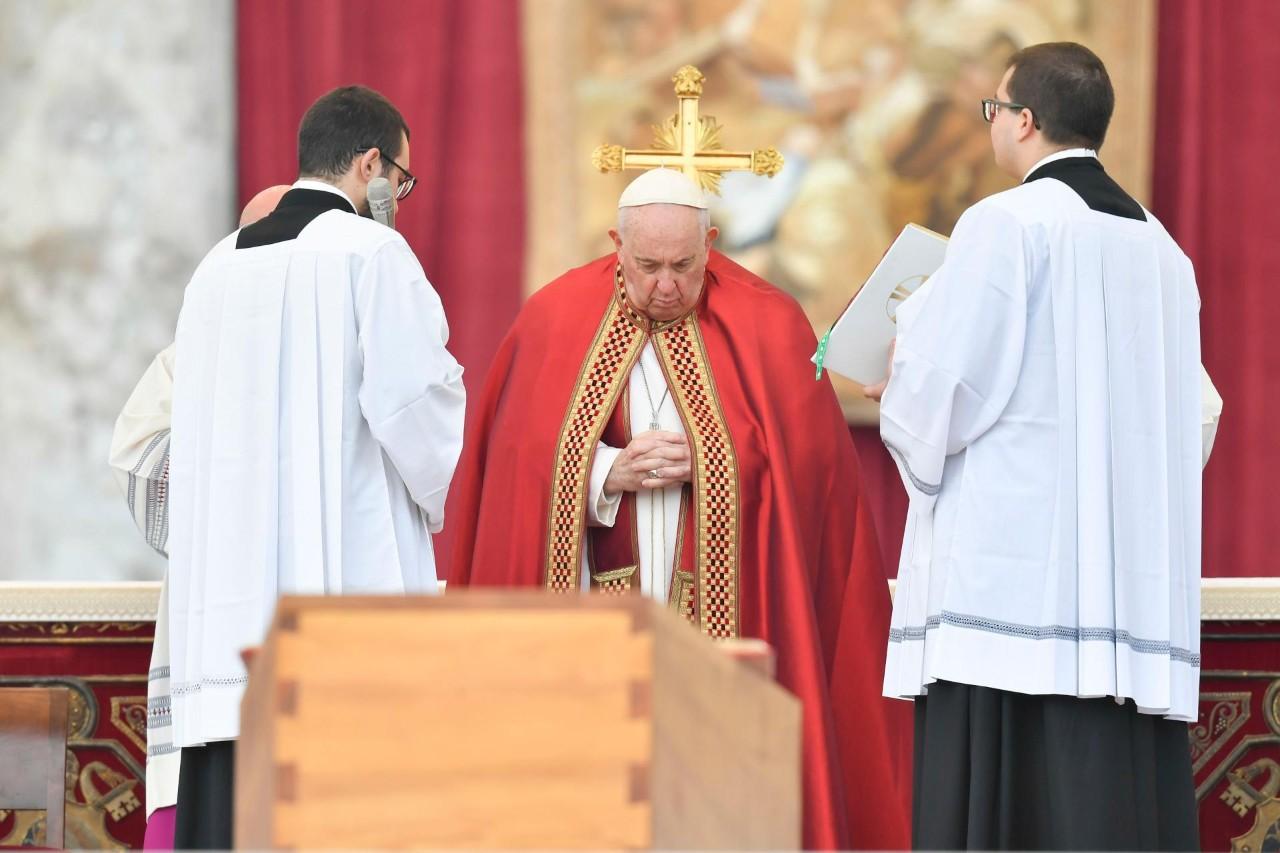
(342, 121)
(1067, 89)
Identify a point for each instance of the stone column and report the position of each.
(117, 174)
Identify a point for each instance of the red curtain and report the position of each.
(1217, 138)
(454, 70)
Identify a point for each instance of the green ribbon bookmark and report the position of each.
(820, 356)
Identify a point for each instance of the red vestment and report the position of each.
(776, 545)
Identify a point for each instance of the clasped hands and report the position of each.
(652, 460)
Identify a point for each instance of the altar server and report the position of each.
(1044, 410)
(317, 419)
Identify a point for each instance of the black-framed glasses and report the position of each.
(990, 106)
(406, 186)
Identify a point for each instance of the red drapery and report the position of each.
(454, 70)
(1215, 186)
(882, 485)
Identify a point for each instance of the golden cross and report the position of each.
(690, 143)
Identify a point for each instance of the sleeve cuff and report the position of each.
(919, 464)
(602, 510)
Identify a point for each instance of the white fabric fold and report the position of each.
(139, 456)
(1210, 414)
(602, 509)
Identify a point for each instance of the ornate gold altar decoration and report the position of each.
(129, 717)
(98, 796)
(104, 795)
(689, 142)
(1255, 787)
(1252, 785)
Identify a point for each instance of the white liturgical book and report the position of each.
(858, 344)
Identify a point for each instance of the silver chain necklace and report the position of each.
(644, 377)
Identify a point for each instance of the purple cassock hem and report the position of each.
(159, 835)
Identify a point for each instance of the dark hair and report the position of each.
(345, 119)
(1066, 87)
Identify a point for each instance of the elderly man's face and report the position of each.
(663, 253)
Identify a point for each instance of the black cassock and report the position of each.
(996, 770)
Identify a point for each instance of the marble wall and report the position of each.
(117, 164)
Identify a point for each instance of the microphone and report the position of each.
(382, 202)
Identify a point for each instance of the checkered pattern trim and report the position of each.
(715, 468)
(608, 364)
(614, 581)
(681, 596)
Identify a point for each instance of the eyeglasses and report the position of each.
(990, 106)
(406, 186)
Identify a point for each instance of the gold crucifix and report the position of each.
(690, 143)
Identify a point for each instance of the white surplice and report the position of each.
(317, 420)
(657, 510)
(139, 460)
(1210, 414)
(1045, 414)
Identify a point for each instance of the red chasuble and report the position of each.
(775, 541)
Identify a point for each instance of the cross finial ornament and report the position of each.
(690, 143)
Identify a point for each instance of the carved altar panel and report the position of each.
(1235, 745)
(104, 667)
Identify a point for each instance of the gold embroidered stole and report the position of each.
(606, 371)
(715, 476)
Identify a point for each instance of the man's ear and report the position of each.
(617, 239)
(712, 233)
(369, 165)
(1026, 124)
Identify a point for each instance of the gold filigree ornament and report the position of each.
(607, 158)
(1245, 792)
(1265, 834)
(689, 82)
(1254, 787)
(690, 143)
(767, 162)
(106, 796)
